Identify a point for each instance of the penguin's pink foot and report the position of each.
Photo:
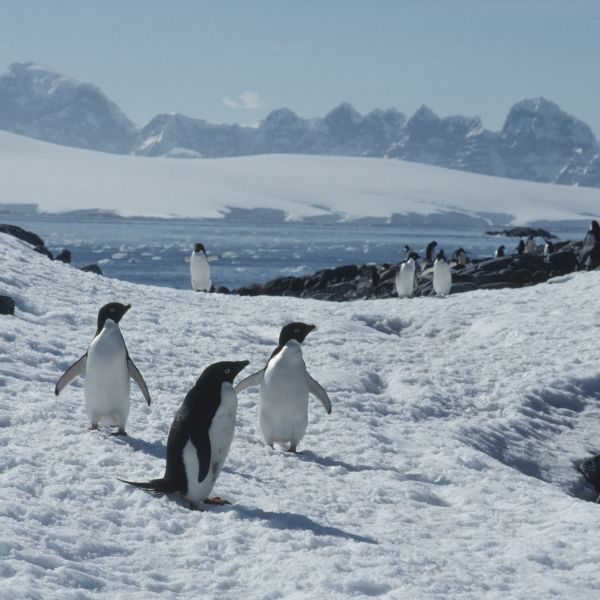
(120, 432)
(216, 500)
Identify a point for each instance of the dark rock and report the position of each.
(222, 290)
(523, 232)
(540, 277)
(43, 250)
(92, 269)
(7, 305)
(64, 256)
(22, 234)
(564, 262)
(521, 276)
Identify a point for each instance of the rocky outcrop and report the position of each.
(351, 282)
(7, 305)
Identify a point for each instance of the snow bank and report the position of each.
(61, 179)
(443, 472)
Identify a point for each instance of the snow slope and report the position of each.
(445, 470)
(62, 179)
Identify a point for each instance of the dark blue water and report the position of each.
(154, 251)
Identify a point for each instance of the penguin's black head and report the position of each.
(222, 372)
(501, 247)
(440, 255)
(199, 248)
(113, 311)
(295, 331)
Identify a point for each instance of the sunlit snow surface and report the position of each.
(444, 471)
(60, 179)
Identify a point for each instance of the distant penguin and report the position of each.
(499, 252)
(406, 280)
(530, 246)
(410, 253)
(107, 368)
(460, 256)
(200, 269)
(200, 437)
(521, 247)
(590, 469)
(284, 388)
(442, 276)
(548, 248)
(430, 250)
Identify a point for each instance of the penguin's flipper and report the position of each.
(201, 441)
(250, 381)
(137, 377)
(73, 371)
(320, 393)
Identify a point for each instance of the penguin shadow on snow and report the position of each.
(289, 520)
(156, 449)
(325, 461)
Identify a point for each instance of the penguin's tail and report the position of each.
(156, 485)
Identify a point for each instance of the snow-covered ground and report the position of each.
(60, 179)
(444, 471)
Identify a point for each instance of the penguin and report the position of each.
(442, 276)
(590, 469)
(499, 252)
(106, 367)
(430, 250)
(548, 248)
(460, 256)
(406, 279)
(200, 269)
(521, 247)
(530, 246)
(200, 437)
(410, 253)
(284, 388)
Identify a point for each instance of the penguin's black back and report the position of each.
(192, 421)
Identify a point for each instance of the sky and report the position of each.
(234, 61)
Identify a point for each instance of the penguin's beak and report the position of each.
(313, 327)
(127, 307)
(240, 366)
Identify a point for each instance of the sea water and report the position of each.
(154, 251)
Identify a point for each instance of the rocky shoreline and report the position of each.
(353, 282)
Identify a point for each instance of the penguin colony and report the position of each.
(202, 430)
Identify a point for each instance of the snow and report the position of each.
(61, 179)
(444, 471)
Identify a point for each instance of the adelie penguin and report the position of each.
(284, 389)
(406, 279)
(200, 437)
(200, 269)
(107, 368)
(442, 276)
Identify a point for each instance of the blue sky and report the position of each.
(234, 61)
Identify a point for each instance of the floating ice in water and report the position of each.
(119, 255)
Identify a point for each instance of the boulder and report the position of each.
(7, 305)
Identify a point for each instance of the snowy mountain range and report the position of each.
(538, 142)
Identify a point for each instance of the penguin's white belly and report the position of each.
(106, 385)
(283, 403)
(220, 435)
(405, 281)
(200, 271)
(442, 278)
